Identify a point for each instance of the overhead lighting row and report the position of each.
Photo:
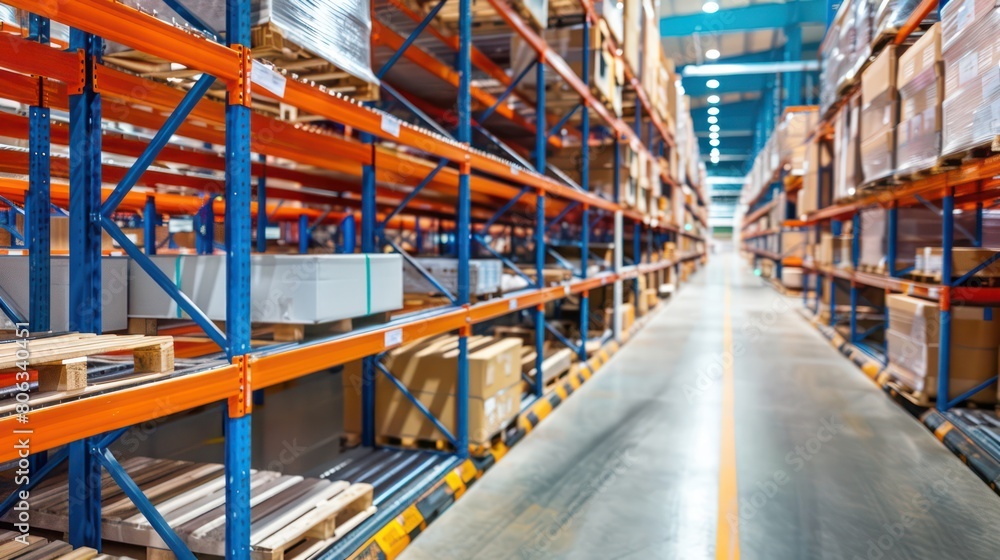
(711, 7)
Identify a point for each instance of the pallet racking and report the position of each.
(972, 187)
(474, 191)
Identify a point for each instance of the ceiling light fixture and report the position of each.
(715, 152)
(710, 7)
(713, 135)
(714, 128)
(713, 120)
(712, 84)
(713, 110)
(712, 54)
(713, 143)
(714, 99)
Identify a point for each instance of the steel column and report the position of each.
(979, 225)
(793, 52)
(463, 229)
(855, 257)
(368, 227)
(85, 274)
(36, 223)
(944, 300)
(303, 234)
(238, 243)
(541, 143)
(149, 223)
(585, 183)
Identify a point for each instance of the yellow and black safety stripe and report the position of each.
(389, 541)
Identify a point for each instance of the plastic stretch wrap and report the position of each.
(793, 131)
(338, 31)
(891, 15)
(921, 89)
(916, 227)
(846, 47)
(879, 116)
(971, 52)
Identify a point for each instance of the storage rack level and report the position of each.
(482, 188)
(972, 187)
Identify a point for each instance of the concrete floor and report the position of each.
(641, 461)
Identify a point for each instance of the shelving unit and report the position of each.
(969, 188)
(368, 164)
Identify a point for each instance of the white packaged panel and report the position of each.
(292, 289)
(14, 282)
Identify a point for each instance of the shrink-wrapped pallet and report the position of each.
(793, 131)
(921, 88)
(879, 114)
(971, 53)
(291, 25)
(891, 15)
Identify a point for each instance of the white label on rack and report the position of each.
(512, 305)
(393, 338)
(15, 252)
(566, 289)
(390, 124)
(933, 292)
(514, 170)
(267, 78)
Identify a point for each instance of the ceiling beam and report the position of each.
(748, 18)
(749, 68)
(809, 50)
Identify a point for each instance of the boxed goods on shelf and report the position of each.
(794, 243)
(484, 275)
(288, 32)
(920, 80)
(567, 42)
(971, 52)
(791, 277)
(845, 49)
(891, 15)
(14, 286)
(847, 165)
(913, 346)
(807, 199)
(429, 369)
(666, 102)
(613, 12)
(929, 261)
(537, 11)
(284, 289)
(633, 17)
(793, 131)
(879, 115)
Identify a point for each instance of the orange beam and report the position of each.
(913, 22)
(69, 421)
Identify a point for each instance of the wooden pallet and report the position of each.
(286, 510)
(40, 548)
(414, 443)
(916, 398)
(269, 44)
(61, 361)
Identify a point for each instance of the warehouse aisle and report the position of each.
(637, 463)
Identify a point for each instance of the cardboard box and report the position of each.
(963, 260)
(922, 56)
(791, 277)
(397, 417)
(913, 346)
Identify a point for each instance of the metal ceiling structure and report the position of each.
(749, 59)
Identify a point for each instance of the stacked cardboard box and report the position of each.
(971, 52)
(847, 171)
(633, 17)
(921, 89)
(813, 184)
(793, 131)
(879, 116)
(913, 346)
(429, 369)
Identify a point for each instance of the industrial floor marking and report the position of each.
(727, 535)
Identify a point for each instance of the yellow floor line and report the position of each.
(727, 531)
